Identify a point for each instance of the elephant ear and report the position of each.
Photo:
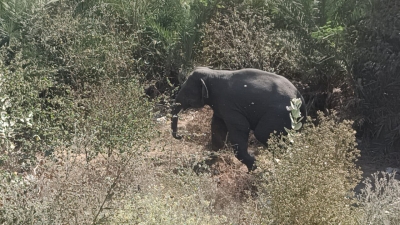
(204, 90)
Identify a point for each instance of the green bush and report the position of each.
(375, 71)
(13, 16)
(313, 176)
(80, 50)
(117, 118)
(58, 63)
(319, 29)
(92, 172)
(169, 40)
(31, 122)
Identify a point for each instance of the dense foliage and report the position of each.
(318, 164)
(76, 123)
(326, 45)
(376, 70)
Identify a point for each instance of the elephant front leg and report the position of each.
(218, 133)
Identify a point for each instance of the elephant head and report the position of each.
(193, 94)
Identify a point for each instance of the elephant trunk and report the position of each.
(174, 121)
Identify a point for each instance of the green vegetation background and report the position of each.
(81, 80)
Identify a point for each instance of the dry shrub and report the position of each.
(115, 190)
(313, 177)
(229, 183)
(234, 184)
(83, 182)
(380, 200)
(184, 198)
(70, 191)
(187, 196)
(239, 39)
(190, 185)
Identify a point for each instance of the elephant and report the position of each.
(241, 100)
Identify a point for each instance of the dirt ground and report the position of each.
(195, 126)
(374, 159)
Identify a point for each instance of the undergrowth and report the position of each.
(313, 175)
(78, 142)
(380, 199)
(84, 179)
(190, 200)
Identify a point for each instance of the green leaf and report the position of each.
(298, 126)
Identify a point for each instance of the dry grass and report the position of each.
(233, 183)
(380, 199)
(166, 181)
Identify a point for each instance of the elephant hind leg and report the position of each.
(238, 137)
(244, 157)
(218, 133)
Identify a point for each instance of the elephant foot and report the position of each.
(217, 146)
(251, 166)
(244, 157)
(215, 149)
(249, 161)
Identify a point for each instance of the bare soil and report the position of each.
(195, 149)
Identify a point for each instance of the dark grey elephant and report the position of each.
(242, 100)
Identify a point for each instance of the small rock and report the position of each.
(161, 119)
